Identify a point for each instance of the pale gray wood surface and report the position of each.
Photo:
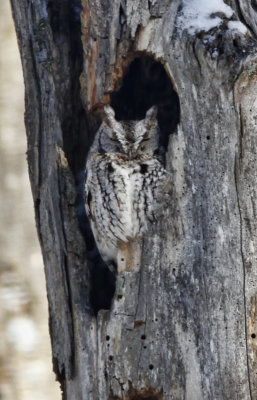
(184, 326)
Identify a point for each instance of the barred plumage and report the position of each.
(126, 184)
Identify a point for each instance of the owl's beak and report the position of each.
(131, 151)
(131, 146)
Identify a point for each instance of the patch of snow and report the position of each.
(197, 15)
(237, 26)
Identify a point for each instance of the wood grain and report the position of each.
(183, 326)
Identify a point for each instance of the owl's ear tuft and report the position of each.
(151, 115)
(109, 115)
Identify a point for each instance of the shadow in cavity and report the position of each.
(146, 83)
(102, 279)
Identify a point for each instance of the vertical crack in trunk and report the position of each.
(70, 373)
(244, 271)
(196, 56)
(241, 133)
(35, 180)
(242, 18)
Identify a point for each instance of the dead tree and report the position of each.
(184, 325)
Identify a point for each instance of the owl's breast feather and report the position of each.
(130, 186)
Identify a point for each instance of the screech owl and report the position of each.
(126, 185)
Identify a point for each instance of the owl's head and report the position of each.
(131, 138)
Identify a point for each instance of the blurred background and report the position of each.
(25, 355)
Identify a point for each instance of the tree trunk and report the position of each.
(182, 326)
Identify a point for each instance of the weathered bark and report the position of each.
(184, 325)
